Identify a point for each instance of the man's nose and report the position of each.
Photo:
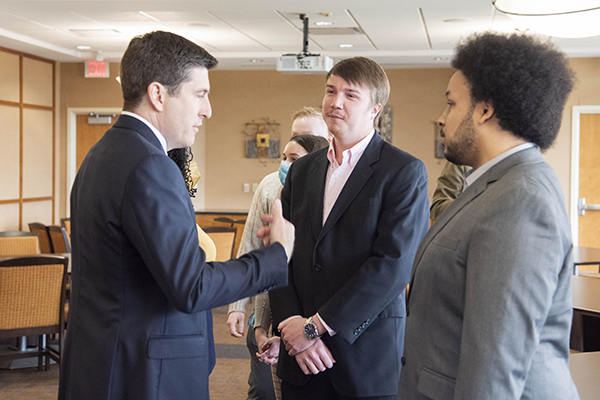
(337, 100)
(441, 121)
(206, 111)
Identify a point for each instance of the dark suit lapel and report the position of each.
(471, 193)
(134, 124)
(316, 191)
(357, 180)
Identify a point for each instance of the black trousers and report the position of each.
(320, 388)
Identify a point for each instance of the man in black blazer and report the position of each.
(140, 325)
(360, 209)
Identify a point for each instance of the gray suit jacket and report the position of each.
(490, 303)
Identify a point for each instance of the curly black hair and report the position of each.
(183, 157)
(527, 80)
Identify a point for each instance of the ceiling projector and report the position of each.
(299, 63)
(304, 62)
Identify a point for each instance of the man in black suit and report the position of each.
(360, 209)
(140, 325)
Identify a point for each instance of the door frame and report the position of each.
(72, 113)
(575, 142)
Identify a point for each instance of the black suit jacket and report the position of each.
(139, 324)
(354, 269)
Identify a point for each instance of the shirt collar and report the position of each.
(351, 155)
(158, 135)
(473, 175)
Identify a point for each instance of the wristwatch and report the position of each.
(310, 329)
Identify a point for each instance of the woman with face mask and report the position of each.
(298, 147)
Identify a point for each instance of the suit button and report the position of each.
(403, 360)
(368, 321)
(317, 267)
(355, 332)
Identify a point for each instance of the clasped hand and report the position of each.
(312, 356)
(292, 334)
(315, 359)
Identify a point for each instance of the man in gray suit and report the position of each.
(489, 307)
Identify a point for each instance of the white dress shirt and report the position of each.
(476, 173)
(159, 136)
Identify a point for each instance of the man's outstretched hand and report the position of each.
(277, 229)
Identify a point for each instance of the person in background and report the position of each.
(306, 121)
(490, 296)
(140, 325)
(268, 348)
(184, 159)
(360, 208)
(450, 185)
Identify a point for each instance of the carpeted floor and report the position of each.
(229, 380)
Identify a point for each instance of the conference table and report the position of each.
(584, 369)
(585, 331)
(584, 256)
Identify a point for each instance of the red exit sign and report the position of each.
(96, 69)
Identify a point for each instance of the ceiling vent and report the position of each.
(97, 33)
(336, 31)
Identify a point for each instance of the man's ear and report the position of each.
(375, 110)
(157, 95)
(486, 111)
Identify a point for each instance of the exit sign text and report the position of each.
(96, 69)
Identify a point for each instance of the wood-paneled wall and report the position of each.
(27, 134)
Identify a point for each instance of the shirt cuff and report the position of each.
(329, 330)
(239, 305)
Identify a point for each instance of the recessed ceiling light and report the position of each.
(323, 23)
(441, 59)
(149, 16)
(197, 25)
(255, 61)
(346, 45)
(83, 47)
(457, 20)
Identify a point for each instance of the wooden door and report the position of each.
(589, 178)
(88, 135)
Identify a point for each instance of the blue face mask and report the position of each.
(283, 170)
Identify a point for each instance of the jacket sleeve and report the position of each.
(383, 277)
(517, 291)
(449, 185)
(158, 220)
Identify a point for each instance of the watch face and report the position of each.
(310, 330)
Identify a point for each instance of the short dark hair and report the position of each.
(162, 57)
(527, 80)
(310, 143)
(365, 72)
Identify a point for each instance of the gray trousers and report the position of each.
(260, 379)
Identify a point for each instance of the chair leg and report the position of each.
(40, 354)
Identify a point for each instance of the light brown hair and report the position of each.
(367, 73)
